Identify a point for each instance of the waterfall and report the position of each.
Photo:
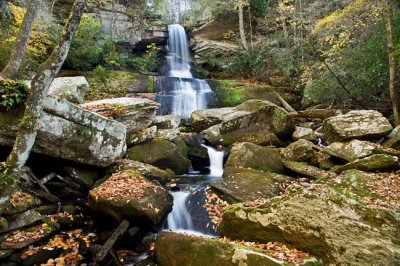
(216, 161)
(179, 218)
(180, 93)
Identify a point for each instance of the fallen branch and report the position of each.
(285, 104)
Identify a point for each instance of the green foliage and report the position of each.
(152, 57)
(87, 47)
(101, 73)
(110, 55)
(136, 63)
(260, 6)
(6, 180)
(12, 93)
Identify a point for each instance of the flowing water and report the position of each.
(179, 93)
(181, 218)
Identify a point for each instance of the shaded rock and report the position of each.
(249, 155)
(300, 151)
(141, 136)
(324, 222)
(249, 185)
(393, 140)
(17, 202)
(3, 223)
(128, 195)
(167, 121)
(376, 162)
(199, 251)
(148, 171)
(307, 170)
(24, 219)
(161, 153)
(203, 119)
(168, 134)
(196, 152)
(83, 176)
(361, 124)
(69, 132)
(304, 133)
(135, 113)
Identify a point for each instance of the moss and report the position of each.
(3, 223)
(150, 84)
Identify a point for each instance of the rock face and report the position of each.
(69, 132)
(128, 195)
(161, 153)
(72, 89)
(256, 121)
(329, 225)
(361, 124)
(135, 113)
(249, 155)
(200, 251)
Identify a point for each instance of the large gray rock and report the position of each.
(360, 124)
(72, 133)
(161, 153)
(393, 140)
(350, 150)
(167, 122)
(300, 151)
(72, 89)
(256, 121)
(141, 136)
(174, 249)
(135, 113)
(128, 195)
(376, 162)
(203, 119)
(322, 221)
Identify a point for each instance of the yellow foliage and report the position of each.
(18, 14)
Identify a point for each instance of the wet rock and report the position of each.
(393, 140)
(308, 170)
(161, 153)
(203, 119)
(167, 122)
(148, 171)
(128, 195)
(198, 251)
(360, 124)
(376, 162)
(242, 185)
(69, 132)
(141, 136)
(199, 215)
(300, 151)
(322, 221)
(249, 155)
(24, 219)
(304, 133)
(197, 153)
(135, 113)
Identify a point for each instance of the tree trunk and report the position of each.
(4, 10)
(14, 63)
(241, 27)
(394, 94)
(40, 84)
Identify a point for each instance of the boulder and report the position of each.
(69, 132)
(141, 136)
(300, 151)
(168, 134)
(393, 140)
(307, 170)
(128, 195)
(83, 176)
(203, 119)
(148, 171)
(72, 89)
(249, 155)
(161, 153)
(376, 162)
(167, 121)
(350, 150)
(304, 133)
(359, 124)
(240, 185)
(135, 113)
(323, 222)
(197, 153)
(199, 251)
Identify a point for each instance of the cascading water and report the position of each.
(180, 219)
(179, 93)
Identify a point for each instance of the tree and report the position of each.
(11, 69)
(394, 94)
(4, 10)
(241, 24)
(40, 84)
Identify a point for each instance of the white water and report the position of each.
(187, 95)
(216, 161)
(179, 219)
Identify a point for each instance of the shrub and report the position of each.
(12, 93)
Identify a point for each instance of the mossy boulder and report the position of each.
(301, 151)
(141, 136)
(128, 195)
(249, 155)
(241, 184)
(17, 202)
(376, 162)
(304, 169)
(304, 133)
(3, 223)
(203, 119)
(200, 251)
(359, 124)
(350, 150)
(150, 172)
(161, 153)
(322, 221)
